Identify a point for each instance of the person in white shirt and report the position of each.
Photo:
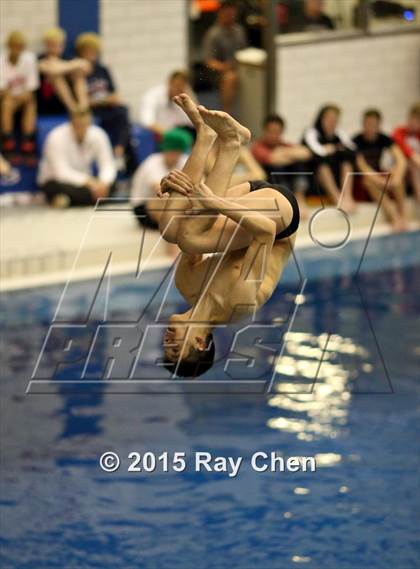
(158, 112)
(175, 145)
(70, 151)
(18, 80)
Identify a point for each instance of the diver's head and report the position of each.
(188, 351)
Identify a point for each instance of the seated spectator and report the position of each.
(175, 145)
(18, 81)
(251, 16)
(63, 83)
(221, 42)
(158, 112)
(105, 102)
(408, 139)
(282, 161)
(372, 157)
(309, 17)
(333, 157)
(70, 152)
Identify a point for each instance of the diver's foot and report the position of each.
(185, 102)
(189, 107)
(226, 126)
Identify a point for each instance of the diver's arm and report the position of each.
(179, 202)
(261, 227)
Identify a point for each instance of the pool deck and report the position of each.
(41, 246)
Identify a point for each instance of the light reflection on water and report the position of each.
(320, 408)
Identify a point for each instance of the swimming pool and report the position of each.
(358, 510)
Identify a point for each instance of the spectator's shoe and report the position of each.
(28, 151)
(60, 201)
(8, 148)
(8, 144)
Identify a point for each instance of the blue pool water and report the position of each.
(359, 510)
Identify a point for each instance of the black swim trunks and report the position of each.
(294, 224)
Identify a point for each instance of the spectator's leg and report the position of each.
(228, 89)
(414, 178)
(8, 108)
(376, 192)
(124, 146)
(114, 120)
(80, 88)
(29, 117)
(121, 126)
(400, 196)
(28, 131)
(346, 201)
(64, 195)
(327, 181)
(63, 91)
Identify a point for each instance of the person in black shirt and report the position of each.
(105, 102)
(306, 17)
(383, 166)
(62, 86)
(332, 157)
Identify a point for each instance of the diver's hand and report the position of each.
(176, 181)
(202, 194)
(202, 200)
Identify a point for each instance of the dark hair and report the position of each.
(274, 118)
(180, 74)
(196, 363)
(415, 110)
(374, 113)
(228, 4)
(322, 111)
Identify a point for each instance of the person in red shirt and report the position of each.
(408, 139)
(282, 160)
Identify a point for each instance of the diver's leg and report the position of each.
(177, 204)
(231, 136)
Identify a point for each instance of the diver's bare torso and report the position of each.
(218, 277)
